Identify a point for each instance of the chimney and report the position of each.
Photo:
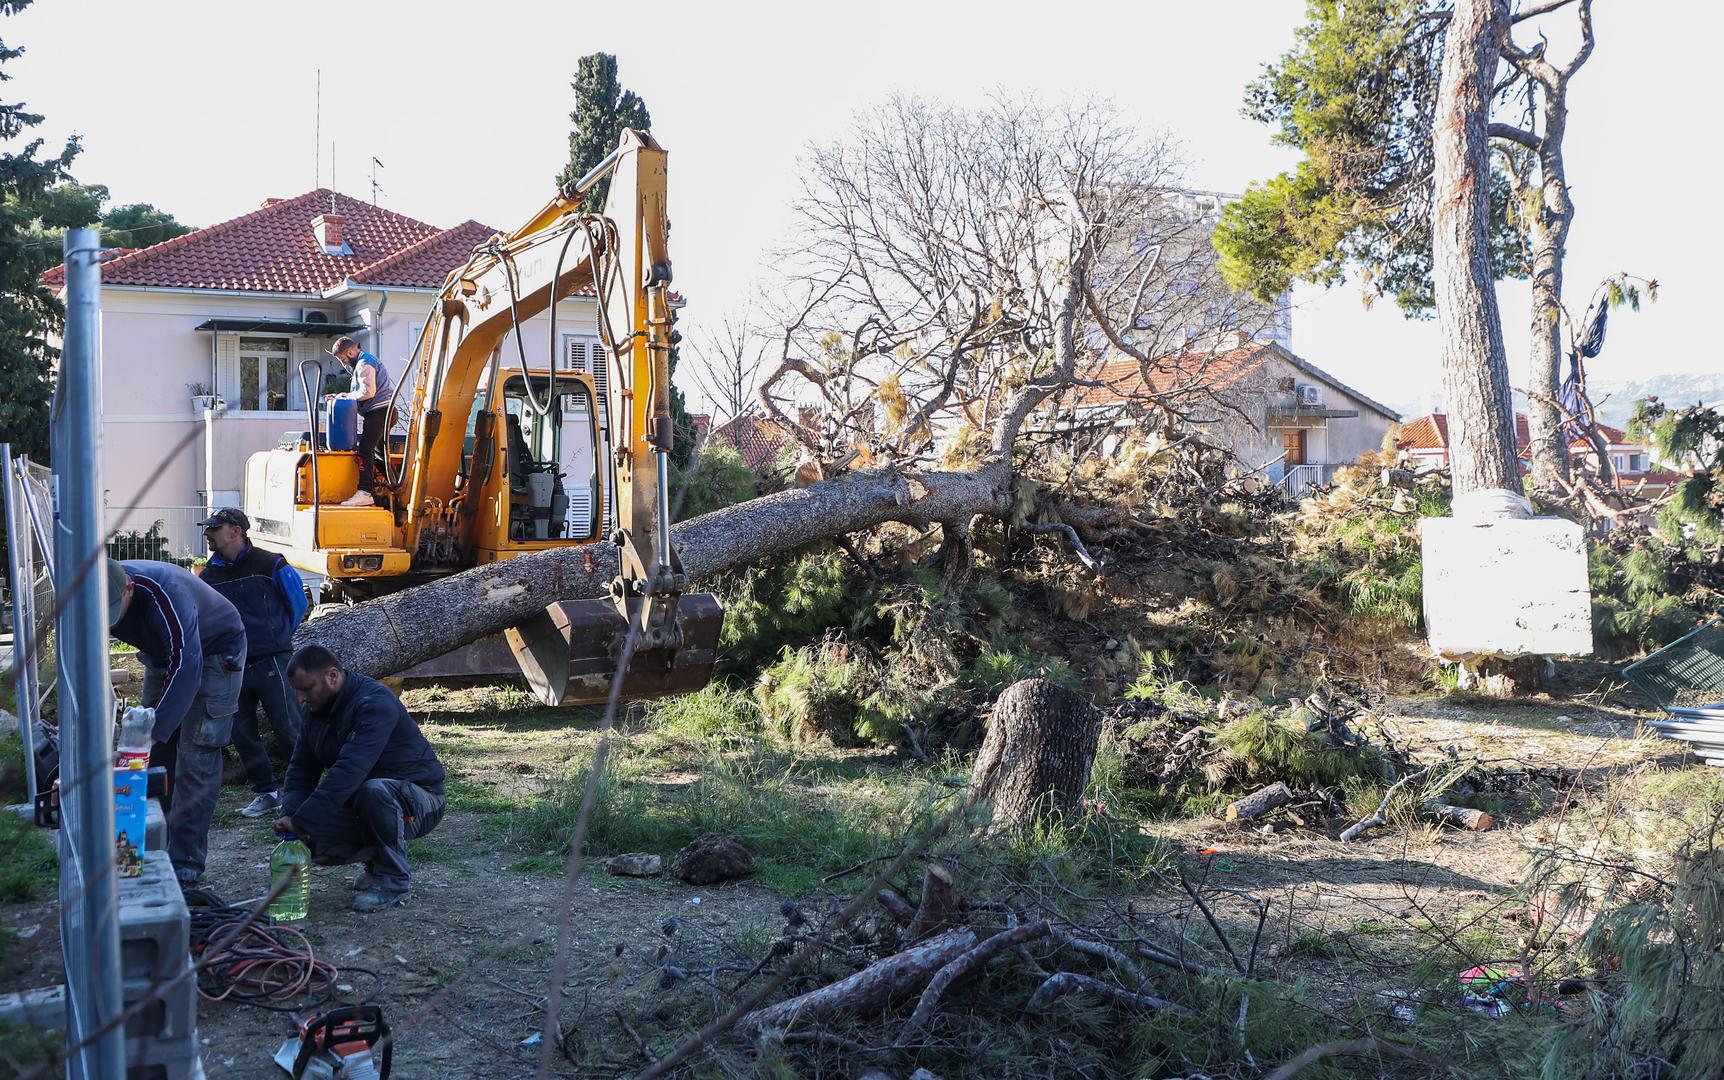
(327, 228)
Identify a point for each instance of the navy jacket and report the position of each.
(267, 591)
(365, 735)
(177, 623)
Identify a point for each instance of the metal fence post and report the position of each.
(89, 924)
(21, 570)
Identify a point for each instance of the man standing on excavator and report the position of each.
(373, 390)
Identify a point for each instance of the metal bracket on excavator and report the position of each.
(569, 652)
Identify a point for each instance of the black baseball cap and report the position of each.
(227, 515)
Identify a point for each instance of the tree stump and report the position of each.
(1037, 754)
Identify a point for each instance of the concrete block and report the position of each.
(154, 1030)
(171, 1018)
(155, 926)
(155, 827)
(1506, 585)
(187, 1066)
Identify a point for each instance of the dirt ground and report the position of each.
(463, 965)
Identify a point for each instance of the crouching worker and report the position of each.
(362, 780)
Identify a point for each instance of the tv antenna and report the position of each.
(376, 189)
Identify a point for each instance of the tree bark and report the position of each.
(395, 632)
(1037, 754)
(1260, 802)
(940, 902)
(1550, 224)
(869, 990)
(1462, 817)
(1475, 367)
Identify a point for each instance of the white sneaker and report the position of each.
(359, 498)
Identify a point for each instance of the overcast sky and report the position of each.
(205, 109)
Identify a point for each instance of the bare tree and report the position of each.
(960, 267)
(728, 359)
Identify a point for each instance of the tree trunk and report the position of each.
(1475, 368)
(1037, 754)
(1549, 238)
(395, 632)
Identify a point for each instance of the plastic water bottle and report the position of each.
(137, 730)
(294, 903)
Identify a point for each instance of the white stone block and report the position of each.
(1506, 585)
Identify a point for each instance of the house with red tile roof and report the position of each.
(226, 314)
(1282, 417)
(1423, 443)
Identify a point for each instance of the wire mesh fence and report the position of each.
(161, 533)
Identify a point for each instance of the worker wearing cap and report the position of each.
(373, 390)
(192, 644)
(270, 598)
(363, 780)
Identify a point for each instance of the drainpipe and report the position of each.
(209, 459)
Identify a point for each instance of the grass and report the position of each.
(798, 819)
(28, 867)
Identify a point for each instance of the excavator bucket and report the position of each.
(569, 652)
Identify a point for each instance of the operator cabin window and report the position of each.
(263, 375)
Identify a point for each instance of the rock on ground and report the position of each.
(712, 858)
(634, 864)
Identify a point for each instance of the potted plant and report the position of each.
(204, 399)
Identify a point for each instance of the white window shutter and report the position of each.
(227, 368)
(303, 349)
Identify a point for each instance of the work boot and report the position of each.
(379, 897)
(265, 803)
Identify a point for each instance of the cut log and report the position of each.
(940, 901)
(1397, 478)
(869, 990)
(395, 632)
(901, 910)
(1037, 754)
(1260, 802)
(1459, 816)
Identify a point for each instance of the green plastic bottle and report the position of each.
(294, 903)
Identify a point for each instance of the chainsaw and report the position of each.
(349, 1043)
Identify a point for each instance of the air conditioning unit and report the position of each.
(313, 315)
(1310, 395)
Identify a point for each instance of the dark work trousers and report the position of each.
(373, 827)
(192, 756)
(265, 686)
(373, 425)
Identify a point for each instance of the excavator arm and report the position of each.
(623, 256)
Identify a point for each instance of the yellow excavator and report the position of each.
(480, 475)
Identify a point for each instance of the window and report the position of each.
(263, 374)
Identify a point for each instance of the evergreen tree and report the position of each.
(137, 225)
(1355, 94)
(28, 310)
(602, 110)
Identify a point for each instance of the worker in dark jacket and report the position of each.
(362, 781)
(192, 645)
(271, 601)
